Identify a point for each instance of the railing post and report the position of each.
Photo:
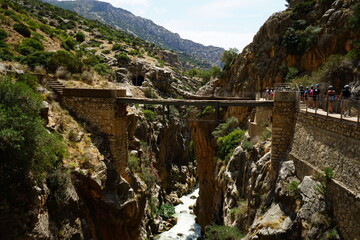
(327, 106)
(341, 112)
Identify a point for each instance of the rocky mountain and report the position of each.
(189, 52)
(310, 42)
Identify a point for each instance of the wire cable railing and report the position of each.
(335, 107)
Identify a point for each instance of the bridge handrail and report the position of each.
(339, 105)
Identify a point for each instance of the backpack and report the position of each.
(332, 96)
(311, 92)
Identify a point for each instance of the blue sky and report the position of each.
(222, 23)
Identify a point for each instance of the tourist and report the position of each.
(316, 95)
(345, 97)
(311, 96)
(272, 93)
(330, 98)
(302, 93)
(306, 96)
(267, 93)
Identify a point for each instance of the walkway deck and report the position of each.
(321, 112)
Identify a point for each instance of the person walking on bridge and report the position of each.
(316, 95)
(345, 97)
(330, 98)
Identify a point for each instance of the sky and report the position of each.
(221, 23)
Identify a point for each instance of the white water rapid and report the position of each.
(186, 228)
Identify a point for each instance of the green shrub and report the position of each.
(149, 115)
(92, 60)
(305, 7)
(298, 41)
(69, 44)
(329, 173)
(6, 54)
(38, 58)
(148, 176)
(107, 51)
(102, 69)
(215, 232)
(265, 134)
(229, 142)
(80, 37)
(293, 187)
(22, 29)
(247, 145)
(166, 211)
(149, 92)
(291, 74)
(3, 34)
(46, 29)
(117, 46)
(354, 19)
(123, 59)
(57, 182)
(208, 110)
(225, 128)
(64, 59)
(134, 164)
(28, 150)
(229, 57)
(30, 80)
(30, 45)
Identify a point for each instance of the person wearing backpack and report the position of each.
(316, 95)
(311, 96)
(330, 98)
(345, 97)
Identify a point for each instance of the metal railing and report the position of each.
(345, 109)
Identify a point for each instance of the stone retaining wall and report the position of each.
(326, 142)
(345, 202)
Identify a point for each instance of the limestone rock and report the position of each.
(274, 224)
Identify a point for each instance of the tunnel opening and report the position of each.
(138, 80)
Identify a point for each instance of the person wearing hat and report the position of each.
(316, 95)
(311, 97)
(302, 93)
(330, 98)
(345, 97)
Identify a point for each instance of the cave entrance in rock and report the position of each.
(138, 80)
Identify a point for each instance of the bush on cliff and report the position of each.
(22, 29)
(354, 19)
(215, 232)
(65, 59)
(27, 149)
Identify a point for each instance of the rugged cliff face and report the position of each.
(303, 37)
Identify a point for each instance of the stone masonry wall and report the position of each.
(321, 142)
(345, 202)
(109, 117)
(326, 142)
(283, 127)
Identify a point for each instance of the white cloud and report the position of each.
(220, 39)
(225, 8)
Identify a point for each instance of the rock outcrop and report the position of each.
(268, 58)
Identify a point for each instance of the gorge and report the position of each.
(129, 147)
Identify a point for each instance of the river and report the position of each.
(186, 227)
